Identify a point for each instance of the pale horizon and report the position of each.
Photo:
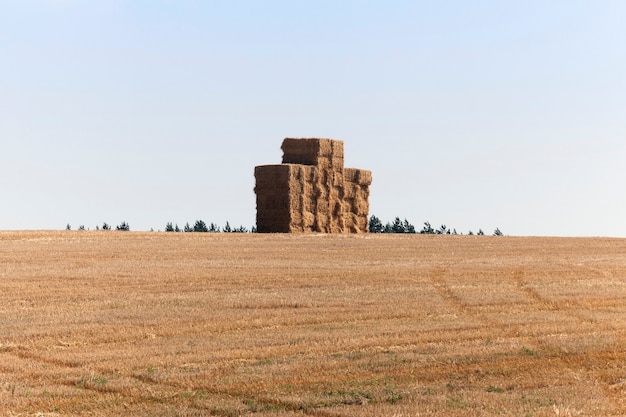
(477, 116)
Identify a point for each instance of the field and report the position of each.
(194, 324)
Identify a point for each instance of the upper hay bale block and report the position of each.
(311, 191)
(310, 151)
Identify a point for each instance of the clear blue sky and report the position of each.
(475, 114)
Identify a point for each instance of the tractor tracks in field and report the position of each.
(571, 308)
(437, 278)
(561, 330)
(438, 281)
(532, 294)
(484, 311)
(583, 366)
(137, 388)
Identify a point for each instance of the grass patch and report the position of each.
(493, 388)
(91, 381)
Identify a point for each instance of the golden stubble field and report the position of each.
(194, 324)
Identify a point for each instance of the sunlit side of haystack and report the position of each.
(311, 191)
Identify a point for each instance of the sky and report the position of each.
(473, 114)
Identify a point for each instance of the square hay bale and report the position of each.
(337, 150)
(350, 190)
(348, 206)
(360, 224)
(350, 174)
(308, 221)
(348, 223)
(358, 176)
(310, 151)
(272, 176)
(364, 177)
(360, 207)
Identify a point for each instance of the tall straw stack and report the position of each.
(311, 191)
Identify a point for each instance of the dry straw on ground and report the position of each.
(312, 191)
(195, 324)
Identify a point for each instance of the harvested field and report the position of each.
(195, 324)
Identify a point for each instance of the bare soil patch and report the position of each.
(194, 324)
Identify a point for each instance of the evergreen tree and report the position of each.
(375, 225)
(408, 227)
(397, 226)
(123, 226)
(169, 227)
(200, 226)
(427, 229)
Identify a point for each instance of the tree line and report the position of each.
(124, 226)
(202, 227)
(199, 226)
(375, 225)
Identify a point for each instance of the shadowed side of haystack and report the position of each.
(311, 191)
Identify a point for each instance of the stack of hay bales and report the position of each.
(311, 191)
